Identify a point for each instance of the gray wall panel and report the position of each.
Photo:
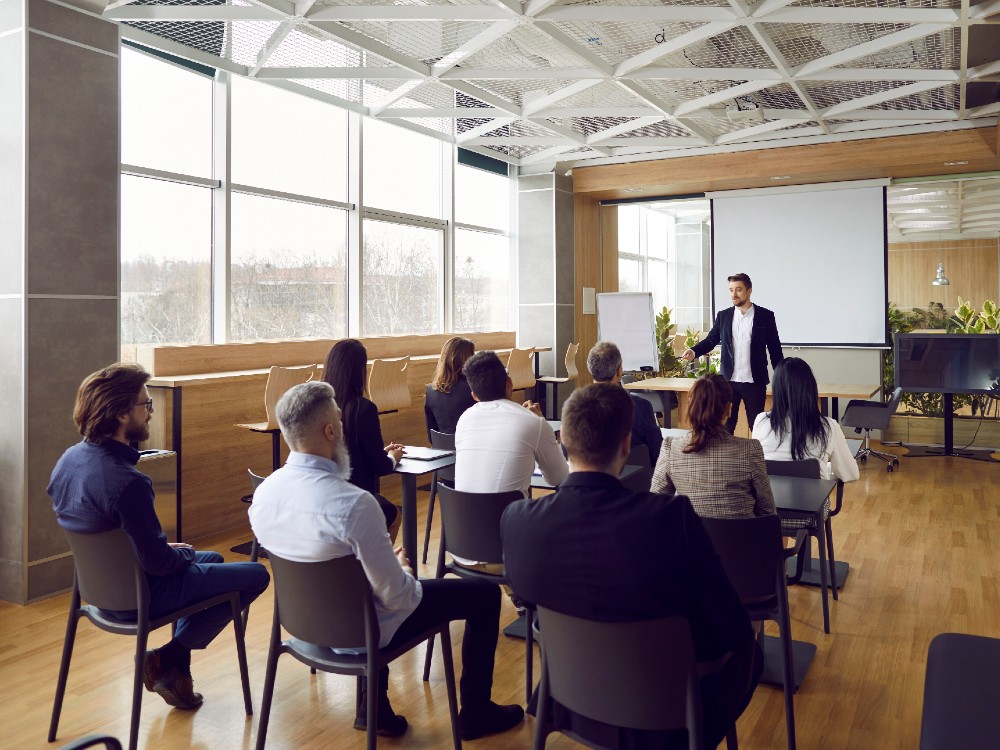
(70, 24)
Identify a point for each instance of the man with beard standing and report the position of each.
(96, 487)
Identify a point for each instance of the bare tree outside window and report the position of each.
(482, 281)
(401, 279)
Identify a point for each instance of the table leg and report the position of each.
(275, 450)
(409, 482)
(823, 567)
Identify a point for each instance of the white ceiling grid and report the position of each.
(577, 82)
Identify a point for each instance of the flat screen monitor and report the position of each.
(948, 363)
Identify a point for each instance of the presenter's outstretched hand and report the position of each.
(688, 355)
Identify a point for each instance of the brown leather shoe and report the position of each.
(177, 690)
(151, 670)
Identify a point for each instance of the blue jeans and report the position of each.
(206, 577)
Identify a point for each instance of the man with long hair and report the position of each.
(96, 487)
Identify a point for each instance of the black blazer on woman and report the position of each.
(363, 433)
(442, 410)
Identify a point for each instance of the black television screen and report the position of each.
(948, 363)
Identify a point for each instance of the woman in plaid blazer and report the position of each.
(724, 476)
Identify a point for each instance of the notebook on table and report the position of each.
(419, 453)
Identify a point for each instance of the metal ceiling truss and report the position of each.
(535, 82)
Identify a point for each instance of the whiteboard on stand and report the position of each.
(627, 319)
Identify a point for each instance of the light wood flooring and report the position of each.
(922, 547)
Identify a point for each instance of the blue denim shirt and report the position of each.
(96, 487)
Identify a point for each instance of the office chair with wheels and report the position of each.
(109, 577)
(470, 528)
(653, 688)
(865, 416)
(753, 557)
(329, 605)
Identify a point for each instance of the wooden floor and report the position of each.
(921, 543)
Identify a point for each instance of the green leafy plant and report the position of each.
(668, 361)
(701, 365)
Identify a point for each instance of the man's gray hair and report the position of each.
(300, 408)
(603, 361)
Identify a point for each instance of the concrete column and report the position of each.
(545, 268)
(59, 258)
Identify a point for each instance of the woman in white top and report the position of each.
(794, 429)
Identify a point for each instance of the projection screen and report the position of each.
(816, 255)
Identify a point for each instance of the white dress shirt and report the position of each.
(836, 461)
(742, 330)
(497, 444)
(307, 512)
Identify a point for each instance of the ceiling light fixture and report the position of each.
(782, 177)
(955, 163)
(939, 278)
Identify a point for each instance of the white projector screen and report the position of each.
(816, 256)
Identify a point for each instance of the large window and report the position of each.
(401, 280)
(239, 209)
(289, 270)
(664, 248)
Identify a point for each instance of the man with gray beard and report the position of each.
(307, 511)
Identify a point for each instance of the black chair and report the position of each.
(641, 480)
(653, 688)
(961, 693)
(328, 605)
(109, 577)
(470, 528)
(440, 441)
(865, 416)
(809, 469)
(754, 559)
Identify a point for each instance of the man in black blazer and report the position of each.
(597, 550)
(744, 330)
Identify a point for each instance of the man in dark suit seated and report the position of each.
(605, 365)
(596, 550)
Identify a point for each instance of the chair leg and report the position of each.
(427, 658)
(529, 655)
(273, 652)
(823, 571)
(241, 650)
(731, 742)
(141, 640)
(430, 517)
(372, 713)
(542, 710)
(831, 559)
(449, 678)
(67, 654)
(788, 670)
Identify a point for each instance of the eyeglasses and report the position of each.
(148, 403)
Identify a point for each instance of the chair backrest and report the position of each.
(894, 400)
(279, 380)
(571, 369)
(751, 553)
(638, 675)
(871, 415)
(387, 386)
(107, 570)
(521, 368)
(326, 603)
(807, 467)
(444, 441)
(470, 522)
(639, 456)
(255, 480)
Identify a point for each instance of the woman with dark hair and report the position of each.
(723, 475)
(449, 395)
(794, 429)
(345, 369)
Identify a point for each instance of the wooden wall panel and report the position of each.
(588, 273)
(970, 265)
(900, 156)
(165, 361)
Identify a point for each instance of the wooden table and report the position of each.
(409, 469)
(830, 395)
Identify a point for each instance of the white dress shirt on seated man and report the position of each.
(307, 512)
(498, 443)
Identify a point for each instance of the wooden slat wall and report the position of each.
(588, 273)
(164, 361)
(215, 454)
(970, 265)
